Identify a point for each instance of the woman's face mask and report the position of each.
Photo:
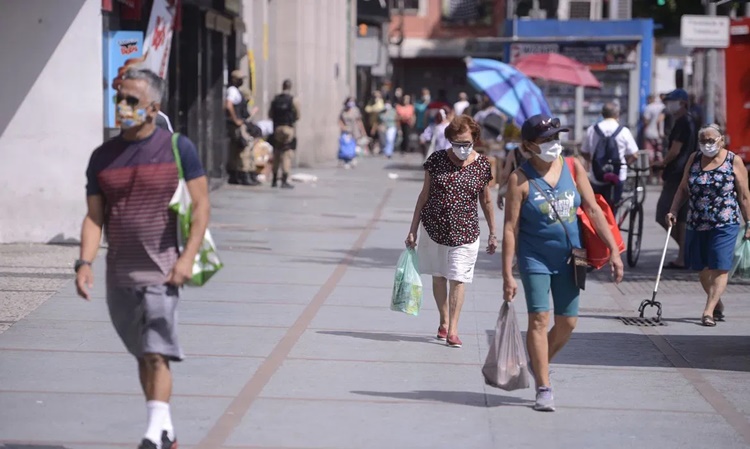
(711, 147)
(462, 150)
(549, 151)
(350, 104)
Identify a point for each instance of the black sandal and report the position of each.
(708, 321)
(718, 315)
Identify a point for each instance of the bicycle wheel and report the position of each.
(635, 232)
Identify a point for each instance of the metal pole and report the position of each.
(747, 9)
(711, 74)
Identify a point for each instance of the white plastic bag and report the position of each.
(506, 366)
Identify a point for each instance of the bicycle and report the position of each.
(630, 208)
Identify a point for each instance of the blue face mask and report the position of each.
(129, 117)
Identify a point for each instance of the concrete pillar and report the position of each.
(51, 115)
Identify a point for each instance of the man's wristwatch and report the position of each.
(79, 263)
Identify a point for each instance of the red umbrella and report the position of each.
(557, 68)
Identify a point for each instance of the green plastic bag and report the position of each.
(741, 263)
(407, 285)
(207, 262)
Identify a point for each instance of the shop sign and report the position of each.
(159, 38)
(597, 56)
(704, 31)
(122, 50)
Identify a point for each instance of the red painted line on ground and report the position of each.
(233, 415)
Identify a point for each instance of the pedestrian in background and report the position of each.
(433, 137)
(388, 119)
(461, 105)
(350, 122)
(541, 229)
(285, 112)
(420, 110)
(406, 119)
(449, 234)
(241, 164)
(653, 133)
(131, 180)
(627, 153)
(715, 187)
(682, 144)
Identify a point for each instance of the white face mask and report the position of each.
(462, 151)
(673, 106)
(710, 150)
(549, 151)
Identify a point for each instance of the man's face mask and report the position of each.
(128, 114)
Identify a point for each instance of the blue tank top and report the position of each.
(543, 247)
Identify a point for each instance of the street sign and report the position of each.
(704, 31)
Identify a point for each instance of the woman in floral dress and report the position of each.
(454, 180)
(715, 186)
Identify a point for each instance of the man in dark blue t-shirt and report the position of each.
(131, 180)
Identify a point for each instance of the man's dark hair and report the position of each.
(286, 85)
(611, 110)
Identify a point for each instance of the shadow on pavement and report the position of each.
(451, 397)
(382, 337)
(715, 352)
(30, 446)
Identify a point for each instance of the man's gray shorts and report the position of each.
(145, 318)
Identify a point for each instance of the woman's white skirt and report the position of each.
(455, 263)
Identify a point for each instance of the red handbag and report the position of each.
(596, 249)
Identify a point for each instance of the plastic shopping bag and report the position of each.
(347, 147)
(407, 285)
(741, 263)
(207, 262)
(506, 366)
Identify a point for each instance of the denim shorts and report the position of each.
(712, 249)
(565, 293)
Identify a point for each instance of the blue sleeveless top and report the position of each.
(543, 247)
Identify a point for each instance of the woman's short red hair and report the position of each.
(461, 124)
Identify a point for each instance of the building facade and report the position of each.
(429, 40)
(58, 59)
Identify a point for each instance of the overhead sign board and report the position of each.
(704, 31)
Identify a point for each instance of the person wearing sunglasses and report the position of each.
(454, 180)
(541, 230)
(714, 185)
(131, 181)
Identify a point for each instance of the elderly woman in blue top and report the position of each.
(543, 243)
(715, 185)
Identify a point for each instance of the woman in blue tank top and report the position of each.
(541, 229)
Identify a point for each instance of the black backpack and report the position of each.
(282, 110)
(606, 157)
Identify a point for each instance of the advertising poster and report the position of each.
(159, 38)
(122, 50)
(597, 56)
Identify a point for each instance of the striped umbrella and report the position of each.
(512, 91)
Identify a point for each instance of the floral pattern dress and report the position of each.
(713, 197)
(450, 215)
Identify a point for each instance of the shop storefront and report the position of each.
(204, 47)
(619, 54)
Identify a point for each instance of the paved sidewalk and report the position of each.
(292, 346)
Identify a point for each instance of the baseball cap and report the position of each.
(541, 126)
(677, 95)
(237, 74)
